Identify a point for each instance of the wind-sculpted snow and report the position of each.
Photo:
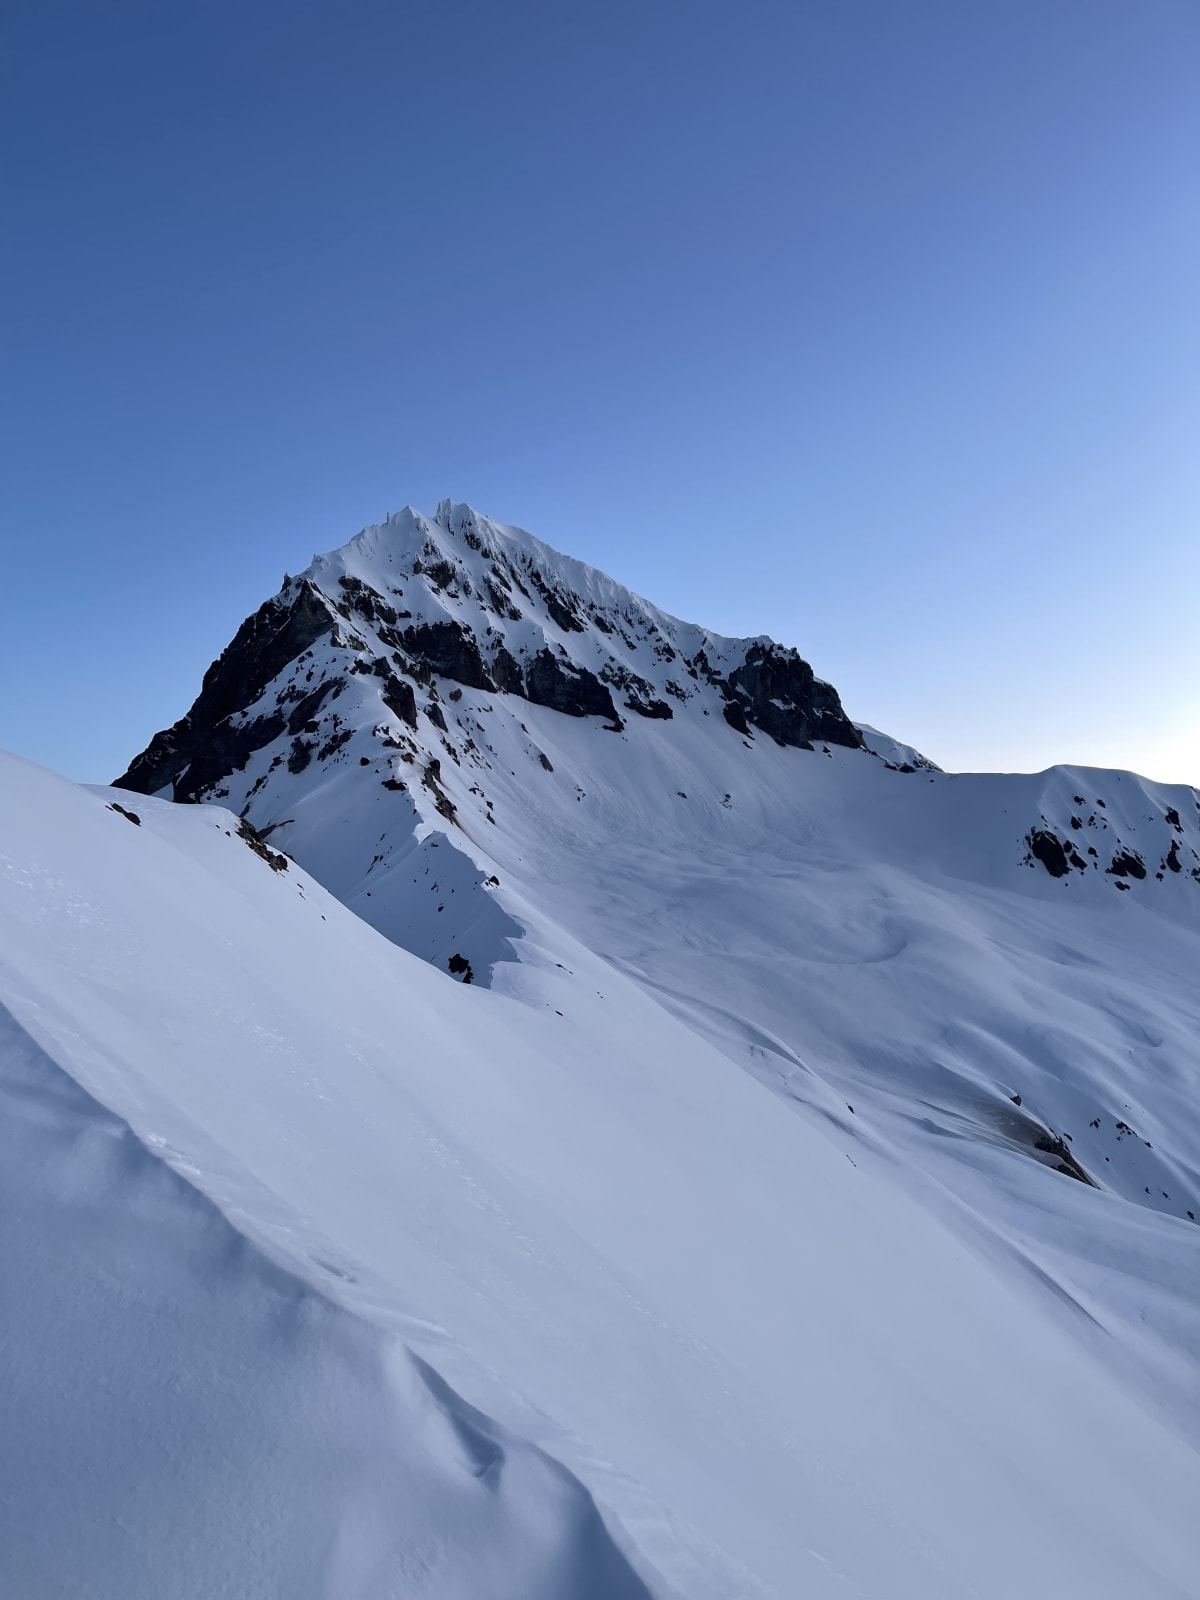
(617, 1261)
(181, 1416)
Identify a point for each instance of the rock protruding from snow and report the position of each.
(904, 757)
(213, 740)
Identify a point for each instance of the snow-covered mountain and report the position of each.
(701, 811)
(414, 659)
(808, 1208)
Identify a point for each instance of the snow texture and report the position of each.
(580, 1150)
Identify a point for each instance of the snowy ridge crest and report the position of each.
(523, 619)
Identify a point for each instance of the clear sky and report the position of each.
(870, 325)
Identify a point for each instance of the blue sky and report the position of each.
(870, 326)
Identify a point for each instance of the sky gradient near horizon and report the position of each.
(870, 327)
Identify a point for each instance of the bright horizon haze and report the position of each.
(872, 328)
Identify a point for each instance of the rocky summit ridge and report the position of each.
(416, 659)
(422, 605)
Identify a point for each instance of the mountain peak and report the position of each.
(424, 677)
(459, 599)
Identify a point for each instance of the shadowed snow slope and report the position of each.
(363, 1283)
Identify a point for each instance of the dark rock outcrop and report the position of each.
(307, 708)
(567, 688)
(300, 756)
(1047, 848)
(399, 696)
(1126, 864)
(650, 708)
(251, 835)
(205, 746)
(778, 692)
(1052, 1144)
(1056, 855)
(450, 650)
(560, 607)
(201, 761)
(506, 672)
(367, 603)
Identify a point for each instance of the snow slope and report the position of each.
(182, 1417)
(328, 1276)
(997, 972)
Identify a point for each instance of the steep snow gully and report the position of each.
(564, 1111)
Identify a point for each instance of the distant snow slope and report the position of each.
(326, 1276)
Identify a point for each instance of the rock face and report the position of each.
(567, 688)
(1127, 864)
(209, 743)
(449, 650)
(779, 693)
(507, 673)
(1048, 849)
